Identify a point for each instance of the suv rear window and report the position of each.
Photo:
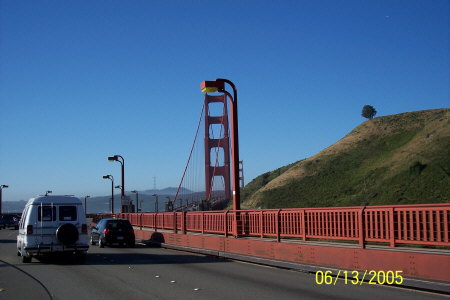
(67, 213)
(124, 224)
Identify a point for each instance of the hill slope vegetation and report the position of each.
(397, 159)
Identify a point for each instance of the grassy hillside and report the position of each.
(398, 159)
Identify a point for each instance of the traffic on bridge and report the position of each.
(146, 272)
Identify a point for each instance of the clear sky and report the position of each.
(82, 80)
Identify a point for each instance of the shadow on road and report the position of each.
(8, 242)
(147, 259)
(131, 258)
(139, 255)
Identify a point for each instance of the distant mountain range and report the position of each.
(13, 206)
(167, 191)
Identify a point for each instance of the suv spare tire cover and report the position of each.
(67, 234)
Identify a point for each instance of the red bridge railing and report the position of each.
(426, 224)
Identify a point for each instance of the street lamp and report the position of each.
(85, 204)
(219, 86)
(112, 190)
(120, 159)
(156, 203)
(3, 186)
(169, 206)
(119, 187)
(137, 199)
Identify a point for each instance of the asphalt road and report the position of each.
(155, 273)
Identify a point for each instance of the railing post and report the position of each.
(446, 225)
(175, 229)
(235, 225)
(391, 228)
(183, 222)
(303, 216)
(203, 225)
(226, 224)
(361, 228)
(261, 224)
(277, 225)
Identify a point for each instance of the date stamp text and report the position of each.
(358, 277)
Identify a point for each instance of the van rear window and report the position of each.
(46, 213)
(67, 213)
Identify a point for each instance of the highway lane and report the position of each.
(155, 273)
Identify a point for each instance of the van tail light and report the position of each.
(84, 228)
(106, 231)
(30, 229)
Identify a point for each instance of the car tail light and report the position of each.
(106, 231)
(30, 229)
(131, 231)
(84, 228)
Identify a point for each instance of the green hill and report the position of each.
(398, 159)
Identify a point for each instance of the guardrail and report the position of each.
(422, 224)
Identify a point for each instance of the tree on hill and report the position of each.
(368, 112)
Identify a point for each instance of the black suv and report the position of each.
(113, 231)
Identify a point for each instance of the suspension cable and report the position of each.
(190, 154)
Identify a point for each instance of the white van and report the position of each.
(52, 224)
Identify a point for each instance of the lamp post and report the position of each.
(85, 204)
(3, 186)
(112, 190)
(219, 86)
(169, 206)
(120, 159)
(137, 199)
(156, 203)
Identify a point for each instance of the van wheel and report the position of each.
(26, 259)
(101, 244)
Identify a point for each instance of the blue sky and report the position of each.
(82, 80)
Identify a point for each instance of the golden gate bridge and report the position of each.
(411, 239)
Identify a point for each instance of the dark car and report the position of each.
(9, 221)
(113, 231)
